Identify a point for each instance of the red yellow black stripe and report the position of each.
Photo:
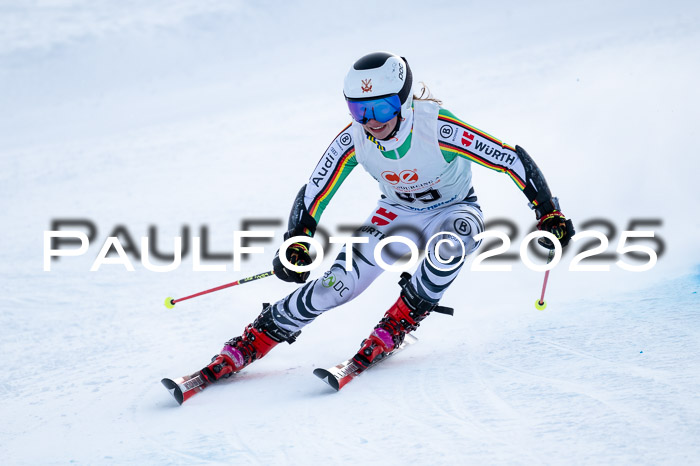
(333, 181)
(462, 124)
(481, 161)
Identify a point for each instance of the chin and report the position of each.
(381, 135)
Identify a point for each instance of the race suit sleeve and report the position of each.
(335, 165)
(457, 138)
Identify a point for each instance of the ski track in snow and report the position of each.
(524, 397)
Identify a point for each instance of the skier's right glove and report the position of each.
(558, 225)
(297, 254)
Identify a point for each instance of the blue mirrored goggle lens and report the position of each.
(382, 110)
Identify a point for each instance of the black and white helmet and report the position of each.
(380, 74)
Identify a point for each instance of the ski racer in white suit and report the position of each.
(421, 156)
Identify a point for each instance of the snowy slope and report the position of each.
(175, 114)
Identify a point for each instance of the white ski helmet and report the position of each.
(380, 74)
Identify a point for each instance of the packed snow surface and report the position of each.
(192, 117)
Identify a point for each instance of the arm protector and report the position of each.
(300, 220)
(536, 189)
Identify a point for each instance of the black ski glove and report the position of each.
(297, 254)
(555, 223)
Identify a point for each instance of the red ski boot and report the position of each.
(257, 340)
(403, 316)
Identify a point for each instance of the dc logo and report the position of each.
(462, 227)
(345, 139)
(328, 281)
(446, 131)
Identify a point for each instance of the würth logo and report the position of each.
(366, 85)
(467, 139)
(382, 217)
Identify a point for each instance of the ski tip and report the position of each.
(327, 377)
(174, 390)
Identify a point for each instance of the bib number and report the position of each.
(426, 197)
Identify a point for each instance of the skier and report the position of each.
(421, 156)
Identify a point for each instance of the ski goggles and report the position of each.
(381, 109)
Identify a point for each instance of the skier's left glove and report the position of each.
(555, 223)
(297, 254)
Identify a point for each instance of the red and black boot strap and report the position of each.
(420, 307)
(265, 323)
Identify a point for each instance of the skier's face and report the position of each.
(380, 130)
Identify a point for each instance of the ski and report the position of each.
(340, 375)
(183, 388)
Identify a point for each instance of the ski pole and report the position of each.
(541, 304)
(170, 302)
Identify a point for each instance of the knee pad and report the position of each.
(336, 286)
(464, 224)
